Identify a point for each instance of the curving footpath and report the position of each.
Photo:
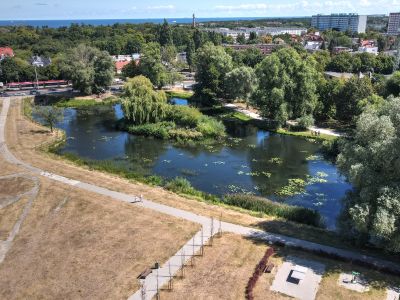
(202, 220)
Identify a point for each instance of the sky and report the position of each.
(131, 9)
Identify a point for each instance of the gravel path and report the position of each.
(204, 221)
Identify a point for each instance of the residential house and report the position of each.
(40, 61)
(6, 52)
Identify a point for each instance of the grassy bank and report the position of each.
(83, 102)
(179, 94)
(307, 134)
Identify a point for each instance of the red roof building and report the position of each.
(6, 52)
(120, 64)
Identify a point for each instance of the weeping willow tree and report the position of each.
(141, 103)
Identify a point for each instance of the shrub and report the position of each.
(182, 185)
(159, 130)
(304, 122)
(257, 273)
(211, 127)
(184, 116)
(288, 212)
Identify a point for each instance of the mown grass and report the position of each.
(179, 94)
(81, 102)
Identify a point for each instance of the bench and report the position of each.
(144, 274)
(269, 267)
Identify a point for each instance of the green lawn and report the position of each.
(307, 134)
(79, 102)
(176, 94)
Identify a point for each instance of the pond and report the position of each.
(250, 161)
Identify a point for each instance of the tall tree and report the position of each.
(371, 162)
(165, 34)
(212, 63)
(89, 69)
(151, 65)
(355, 90)
(141, 103)
(287, 85)
(190, 53)
(240, 83)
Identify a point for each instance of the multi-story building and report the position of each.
(341, 22)
(394, 24)
(6, 52)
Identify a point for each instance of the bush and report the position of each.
(257, 273)
(183, 186)
(304, 122)
(289, 212)
(184, 116)
(211, 127)
(159, 130)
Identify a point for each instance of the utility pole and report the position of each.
(37, 81)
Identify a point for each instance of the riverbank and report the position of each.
(30, 134)
(246, 115)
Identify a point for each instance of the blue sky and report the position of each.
(113, 9)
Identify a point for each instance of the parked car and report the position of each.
(34, 92)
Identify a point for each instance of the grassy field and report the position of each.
(79, 245)
(223, 272)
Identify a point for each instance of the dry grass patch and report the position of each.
(14, 186)
(9, 215)
(79, 245)
(223, 271)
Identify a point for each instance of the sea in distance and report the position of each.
(105, 22)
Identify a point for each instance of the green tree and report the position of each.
(89, 69)
(323, 58)
(355, 90)
(240, 83)
(151, 66)
(190, 53)
(212, 64)
(50, 115)
(165, 34)
(251, 57)
(330, 92)
(393, 84)
(384, 64)
(342, 62)
(141, 103)
(241, 39)
(287, 85)
(131, 70)
(371, 162)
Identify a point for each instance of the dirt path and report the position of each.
(202, 220)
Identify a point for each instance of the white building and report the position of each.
(372, 50)
(129, 57)
(394, 24)
(341, 22)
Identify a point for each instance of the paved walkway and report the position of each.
(258, 117)
(179, 213)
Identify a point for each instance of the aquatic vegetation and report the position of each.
(146, 160)
(267, 174)
(252, 146)
(276, 160)
(218, 162)
(295, 186)
(322, 174)
(167, 161)
(313, 157)
(289, 212)
(188, 172)
(254, 160)
(240, 172)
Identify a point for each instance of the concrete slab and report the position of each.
(360, 286)
(307, 288)
(393, 294)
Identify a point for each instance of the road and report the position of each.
(179, 213)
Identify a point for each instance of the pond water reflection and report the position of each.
(251, 160)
